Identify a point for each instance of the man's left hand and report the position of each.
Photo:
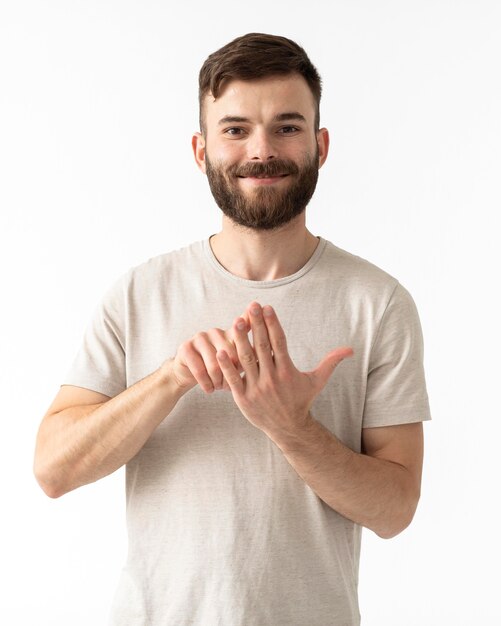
(273, 394)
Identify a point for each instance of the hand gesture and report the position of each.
(273, 394)
(195, 360)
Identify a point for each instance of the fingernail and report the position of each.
(241, 325)
(267, 310)
(255, 310)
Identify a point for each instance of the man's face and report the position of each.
(260, 152)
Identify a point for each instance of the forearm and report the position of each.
(82, 444)
(374, 493)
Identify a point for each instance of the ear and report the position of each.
(198, 145)
(323, 145)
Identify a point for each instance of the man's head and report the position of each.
(260, 145)
(251, 57)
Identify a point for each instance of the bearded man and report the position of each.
(251, 466)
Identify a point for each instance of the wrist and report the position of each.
(294, 437)
(169, 379)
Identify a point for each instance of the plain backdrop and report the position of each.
(98, 105)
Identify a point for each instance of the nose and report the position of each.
(261, 146)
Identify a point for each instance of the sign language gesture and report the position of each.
(273, 394)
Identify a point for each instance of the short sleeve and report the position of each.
(396, 387)
(100, 363)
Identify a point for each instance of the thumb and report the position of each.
(328, 364)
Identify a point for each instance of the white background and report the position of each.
(98, 104)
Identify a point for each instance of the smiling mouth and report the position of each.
(275, 176)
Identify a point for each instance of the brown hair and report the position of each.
(257, 55)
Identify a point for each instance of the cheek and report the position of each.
(230, 155)
(226, 151)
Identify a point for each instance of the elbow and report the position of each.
(389, 533)
(47, 482)
(398, 523)
(50, 490)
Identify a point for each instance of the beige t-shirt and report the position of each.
(222, 530)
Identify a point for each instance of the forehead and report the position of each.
(261, 99)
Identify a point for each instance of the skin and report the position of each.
(273, 395)
(252, 254)
(85, 435)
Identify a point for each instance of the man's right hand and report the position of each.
(195, 360)
(86, 435)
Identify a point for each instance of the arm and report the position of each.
(85, 435)
(379, 488)
(84, 442)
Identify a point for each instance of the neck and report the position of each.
(263, 255)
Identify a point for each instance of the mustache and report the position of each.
(276, 167)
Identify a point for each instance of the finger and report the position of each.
(277, 337)
(245, 351)
(205, 347)
(196, 365)
(223, 340)
(260, 338)
(328, 364)
(231, 375)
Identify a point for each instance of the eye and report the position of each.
(234, 131)
(289, 130)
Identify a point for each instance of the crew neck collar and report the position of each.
(266, 284)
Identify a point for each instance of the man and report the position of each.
(251, 466)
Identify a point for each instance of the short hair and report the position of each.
(254, 56)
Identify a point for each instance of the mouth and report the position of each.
(264, 177)
(264, 180)
(260, 181)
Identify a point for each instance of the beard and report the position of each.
(264, 207)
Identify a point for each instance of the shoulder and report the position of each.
(366, 290)
(178, 260)
(353, 267)
(356, 279)
(142, 280)
(165, 267)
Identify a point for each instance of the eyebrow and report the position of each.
(281, 117)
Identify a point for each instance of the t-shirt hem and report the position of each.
(393, 420)
(105, 389)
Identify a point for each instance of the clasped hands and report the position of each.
(272, 393)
